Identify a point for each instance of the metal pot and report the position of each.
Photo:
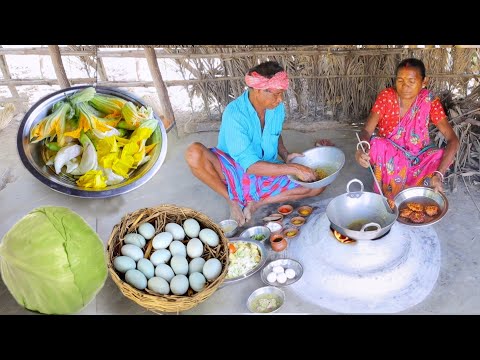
(360, 215)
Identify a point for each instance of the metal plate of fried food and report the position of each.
(427, 206)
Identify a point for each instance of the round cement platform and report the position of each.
(387, 275)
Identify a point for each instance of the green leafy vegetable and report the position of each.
(52, 261)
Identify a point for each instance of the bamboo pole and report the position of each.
(163, 54)
(77, 81)
(169, 117)
(7, 75)
(101, 71)
(25, 82)
(58, 66)
(17, 100)
(44, 51)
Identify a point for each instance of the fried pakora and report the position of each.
(406, 212)
(417, 217)
(415, 206)
(431, 210)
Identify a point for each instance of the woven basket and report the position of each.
(159, 217)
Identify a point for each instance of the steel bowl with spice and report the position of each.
(229, 227)
(327, 160)
(257, 233)
(267, 299)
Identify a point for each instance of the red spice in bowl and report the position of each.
(285, 209)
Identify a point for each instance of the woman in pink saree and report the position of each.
(401, 153)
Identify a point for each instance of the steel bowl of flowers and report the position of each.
(92, 142)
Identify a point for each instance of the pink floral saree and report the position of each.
(405, 157)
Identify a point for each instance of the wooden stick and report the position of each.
(236, 54)
(169, 117)
(23, 82)
(44, 51)
(6, 74)
(58, 66)
(101, 71)
(469, 193)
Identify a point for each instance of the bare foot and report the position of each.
(249, 210)
(236, 213)
(324, 142)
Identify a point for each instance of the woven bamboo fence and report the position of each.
(334, 84)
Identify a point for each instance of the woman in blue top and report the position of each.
(244, 167)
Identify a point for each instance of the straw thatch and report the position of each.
(6, 115)
(328, 83)
(464, 116)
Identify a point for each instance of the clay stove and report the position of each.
(386, 275)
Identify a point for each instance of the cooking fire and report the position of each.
(348, 240)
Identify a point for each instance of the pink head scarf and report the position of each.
(257, 81)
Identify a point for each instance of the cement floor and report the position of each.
(456, 290)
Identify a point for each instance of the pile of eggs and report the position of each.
(165, 271)
(280, 275)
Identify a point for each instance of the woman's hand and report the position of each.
(363, 159)
(292, 156)
(304, 173)
(436, 183)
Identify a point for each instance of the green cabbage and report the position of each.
(52, 261)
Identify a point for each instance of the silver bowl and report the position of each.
(423, 195)
(253, 231)
(286, 264)
(231, 226)
(32, 155)
(263, 260)
(263, 291)
(329, 158)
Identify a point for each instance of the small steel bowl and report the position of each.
(265, 291)
(329, 158)
(229, 227)
(425, 196)
(253, 231)
(33, 158)
(286, 264)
